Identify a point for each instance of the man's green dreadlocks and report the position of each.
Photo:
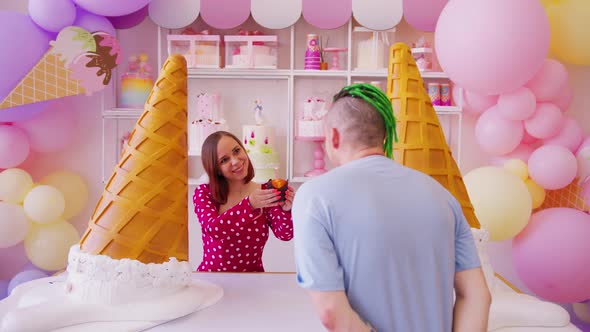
(376, 98)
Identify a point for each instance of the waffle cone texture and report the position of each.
(142, 213)
(422, 145)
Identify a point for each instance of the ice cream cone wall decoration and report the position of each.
(142, 213)
(422, 145)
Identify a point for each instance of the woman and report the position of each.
(236, 213)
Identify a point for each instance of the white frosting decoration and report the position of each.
(102, 280)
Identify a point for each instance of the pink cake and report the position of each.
(312, 122)
(137, 83)
(209, 119)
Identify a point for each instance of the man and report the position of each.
(379, 245)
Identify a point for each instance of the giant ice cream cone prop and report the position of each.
(422, 145)
(142, 213)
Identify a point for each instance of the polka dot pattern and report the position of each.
(234, 240)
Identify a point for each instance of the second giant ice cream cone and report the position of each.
(142, 213)
(422, 145)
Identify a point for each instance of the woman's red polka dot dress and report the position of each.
(233, 241)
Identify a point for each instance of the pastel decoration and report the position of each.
(15, 183)
(276, 14)
(583, 158)
(546, 122)
(73, 189)
(216, 13)
(565, 97)
(130, 20)
(3, 289)
(93, 22)
(111, 7)
(47, 246)
(14, 146)
(18, 57)
(24, 276)
(174, 14)
(52, 130)
(550, 255)
(537, 192)
(522, 152)
(479, 103)
(585, 143)
(423, 14)
(570, 136)
(496, 135)
(52, 15)
(327, 14)
(552, 166)
(528, 139)
(378, 14)
(44, 204)
(517, 167)
(548, 82)
(517, 105)
(501, 201)
(13, 260)
(569, 30)
(14, 224)
(472, 39)
(71, 42)
(22, 112)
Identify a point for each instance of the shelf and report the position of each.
(122, 113)
(194, 153)
(238, 73)
(421, 50)
(433, 74)
(447, 109)
(320, 73)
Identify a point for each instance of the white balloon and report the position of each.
(583, 157)
(174, 14)
(14, 224)
(14, 185)
(44, 204)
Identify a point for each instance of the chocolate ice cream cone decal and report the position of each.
(422, 145)
(142, 213)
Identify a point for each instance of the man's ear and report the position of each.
(335, 138)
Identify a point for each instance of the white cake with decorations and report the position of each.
(312, 122)
(209, 119)
(259, 141)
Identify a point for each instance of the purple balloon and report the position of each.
(24, 43)
(129, 21)
(112, 7)
(92, 22)
(24, 112)
(3, 289)
(52, 15)
(23, 277)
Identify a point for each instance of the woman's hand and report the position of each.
(261, 198)
(288, 203)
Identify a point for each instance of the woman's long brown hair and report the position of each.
(217, 182)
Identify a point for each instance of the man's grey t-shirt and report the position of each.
(391, 237)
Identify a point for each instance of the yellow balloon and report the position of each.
(14, 185)
(73, 188)
(47, 246)
(568, 20)
(501, 201)
(537, 192)
(44, 204)
(518, 168)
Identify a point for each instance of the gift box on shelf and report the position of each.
(200, 51)
(372, 48)
(251, 51)
(423, 58)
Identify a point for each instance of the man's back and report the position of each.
(394, 234)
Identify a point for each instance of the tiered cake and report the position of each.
(312, 122)
(209, 119)
(259, 141)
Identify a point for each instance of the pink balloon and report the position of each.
(551, 255)
(528, 139)
(14, 146)
(548, 82)
(52, 15)
(472, 39)
(522, 152)
(52, 130)
(479, 103)
(585, 143)
(423, 14)
(497, 135)
(130, 20)
(12, 259)
(546, 122)
(112, 7)
(517, 105)
(570, 136)
(92, 22)
(564, 99)
(553, 166)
